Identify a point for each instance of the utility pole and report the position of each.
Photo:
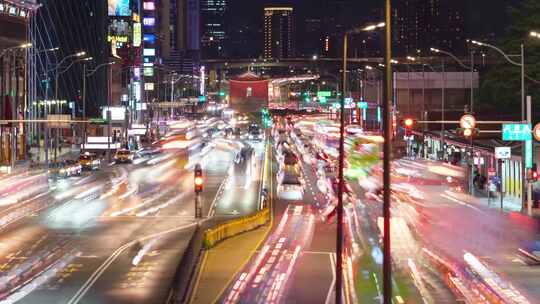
(339, 239)
(387, 151)
(529, 182)
(109, 102)
(442, 105)
(84, 105)
(14, 111)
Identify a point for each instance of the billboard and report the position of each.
(137, 34)
(117, 113)
(119, 8)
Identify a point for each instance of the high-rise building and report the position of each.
(309, 42)
(87, 31)
(17, 91)
(422, 24)
(179, 35)
(213, 28)
(278, 32)
(338, 16)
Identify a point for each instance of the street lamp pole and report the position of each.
(387, 151)
(520, 64)
(341, 182)
(84, 96)
(442, 105)
(84, 106)
(339, 240)
(57, 74)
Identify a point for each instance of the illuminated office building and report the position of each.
(278, 32)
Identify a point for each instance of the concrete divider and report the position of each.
(234, 227)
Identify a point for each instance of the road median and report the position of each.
(222, 263)
(234, 227)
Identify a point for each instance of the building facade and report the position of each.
(213, 17)
(278, 32)
(422, 24)
(15, 17)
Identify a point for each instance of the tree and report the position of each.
(500, 87)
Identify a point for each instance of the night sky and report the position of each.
(485, 18)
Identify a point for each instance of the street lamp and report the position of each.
(522, 67)
(467, 67)
(387, 150)
(471, 68)
(12, 51)
(373, 27)
(58, 71)
(411, 58)
(59, 65)
(341, 184)
(85, 75)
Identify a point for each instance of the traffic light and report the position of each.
(199, 181)
(533, 173)
(266, 119)
(468, 132)
(408, 123)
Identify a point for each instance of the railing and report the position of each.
(234, 227)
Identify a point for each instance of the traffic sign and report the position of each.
(536, 132)
(324, 94)
(322, 99)
(363, 104)
(503, 152)
(516, 132)
(98, 121)
(467, 121)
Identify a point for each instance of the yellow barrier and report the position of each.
(231, 228)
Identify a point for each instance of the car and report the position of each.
(72, 167)
(289, 158)
(123, 156)
(65, 169)
(89, 161)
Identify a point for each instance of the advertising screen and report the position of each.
(119, 8)
(149, 38)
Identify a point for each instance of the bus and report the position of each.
(364, 153)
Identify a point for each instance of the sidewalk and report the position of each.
(509, 203)
(221, 264)
(23, 166)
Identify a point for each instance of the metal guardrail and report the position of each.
(234, 227)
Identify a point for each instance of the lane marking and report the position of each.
(103, 267)
(199, 275)
(255, 250)
(460, 202)
(329, 298)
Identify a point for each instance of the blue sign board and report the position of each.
(516, 132)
